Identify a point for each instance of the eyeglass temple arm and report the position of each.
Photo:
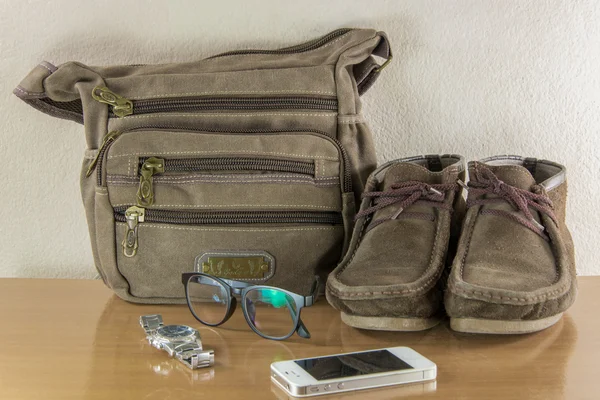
(308, 301)
(185, 277)
(302, 331)
(314, 294)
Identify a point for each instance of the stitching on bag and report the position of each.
(258, 54)
(343, 119)
(230, 115)
(319, 92)
(242, 181)
(330, 43)
(211, 178)
(351, 121)
(45, 66)
(263, 177)
(20, 89)
(237, 205)
(146, 225)
(322, 182)
(229, 152)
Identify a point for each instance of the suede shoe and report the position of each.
(390, 276)
(514, 271)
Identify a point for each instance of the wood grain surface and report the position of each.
(73, 339)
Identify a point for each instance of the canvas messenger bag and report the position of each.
(246, 165)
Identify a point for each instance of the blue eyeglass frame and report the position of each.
(241, 289)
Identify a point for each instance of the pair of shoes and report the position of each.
(512, 262)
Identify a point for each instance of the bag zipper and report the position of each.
(122, 107)
(110, 138)
(236, 164)
(308, 46)
(106, 142)
(347, 178)
(149, 167)
(135, 215)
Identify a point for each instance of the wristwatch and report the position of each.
(180, 341)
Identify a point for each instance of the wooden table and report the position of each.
(73, 339)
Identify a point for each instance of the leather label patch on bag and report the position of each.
(237, 265)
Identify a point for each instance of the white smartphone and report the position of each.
(352, 371)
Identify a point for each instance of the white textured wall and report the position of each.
(472, 77)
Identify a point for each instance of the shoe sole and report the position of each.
(390, 323)
(499, 327)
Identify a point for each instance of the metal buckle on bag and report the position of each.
(385, 64)
(237, 265)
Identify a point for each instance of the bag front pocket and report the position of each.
(181, 171)
(135, 215)
(156, 246)
(179, 195)
(203, 169)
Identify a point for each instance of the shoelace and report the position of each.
(405, 194)
(486, 182)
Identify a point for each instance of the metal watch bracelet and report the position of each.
(190, 354)
(151, 322)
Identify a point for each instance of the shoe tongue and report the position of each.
(406, 171)
(513, 175)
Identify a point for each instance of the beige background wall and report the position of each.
(473, 77)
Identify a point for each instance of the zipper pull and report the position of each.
(151, 166)
(109, 138)
(121, 106)
(133, 216)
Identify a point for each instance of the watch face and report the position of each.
(175, 331)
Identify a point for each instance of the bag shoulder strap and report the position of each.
(65, 91)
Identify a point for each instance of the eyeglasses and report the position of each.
(271, 312)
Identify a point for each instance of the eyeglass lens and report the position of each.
(271, 311)
(208, 299)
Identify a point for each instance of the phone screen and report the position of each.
(368, 362)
